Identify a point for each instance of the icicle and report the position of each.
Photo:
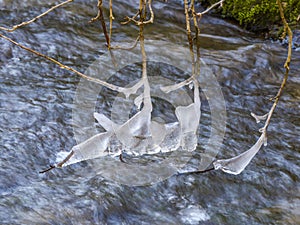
(189, 118)
(105, 122)
(265, 140)
(138, 101)
(259, 118)
(237, 164)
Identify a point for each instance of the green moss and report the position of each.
(257, 15)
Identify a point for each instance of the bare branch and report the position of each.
(100, 17)
(188, 28)
(289, 32)
(111, 18)
(195, 18)
(138, 23)
(195, 172)
(286, 64)
(66, 159)
(129, 19)
(197, 33)
(220, 3)
(126, 48)
(59, 164)
(48, 169)
(95, 80)
(151, 13)
(34, 19)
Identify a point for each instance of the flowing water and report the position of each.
(36, 102)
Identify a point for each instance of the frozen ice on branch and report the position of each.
(140, 135)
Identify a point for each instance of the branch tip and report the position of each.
(48, 169)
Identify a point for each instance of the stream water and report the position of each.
(37, 99)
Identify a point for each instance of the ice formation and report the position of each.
(141, 135)
(238, 163)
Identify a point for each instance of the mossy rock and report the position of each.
(257, 15)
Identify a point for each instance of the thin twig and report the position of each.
(138, 23)
(128, 19)
(66, 159)
(142, 11)
(197, 30)
(59, 164)
(100, 17)
(290, 34)
(111, 18)
(95, 80)
(126, 48)
(34, 19)
(196, 171)
(286, 65)
(48, 169)
(210, 8)
(197, 35)
(188, 29)
(147, 96)
(151, 20)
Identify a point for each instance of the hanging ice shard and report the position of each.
(237, 164)
(259, 118)
(135, 134)
(188, 116)
(105, 122)
(93, 147)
